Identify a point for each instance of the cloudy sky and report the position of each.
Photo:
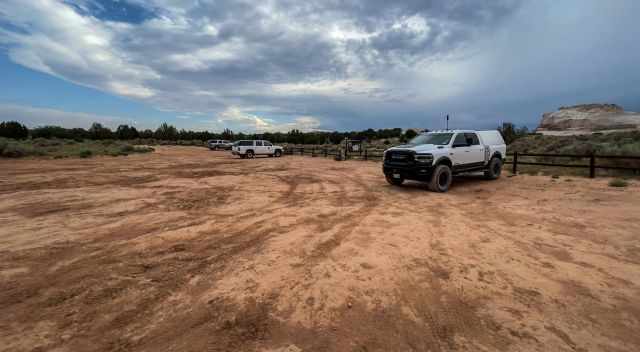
(314, 64)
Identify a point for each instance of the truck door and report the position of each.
(460, 151)
(475, 151)
(268, 148)
(259, 149)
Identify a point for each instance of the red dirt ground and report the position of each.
(191, 250)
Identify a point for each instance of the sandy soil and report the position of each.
(191, 250)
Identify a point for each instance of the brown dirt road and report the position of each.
(191, 250)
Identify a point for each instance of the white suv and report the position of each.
(249, 149)
(434, 157)
(215, 144)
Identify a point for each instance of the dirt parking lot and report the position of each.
(186, 249)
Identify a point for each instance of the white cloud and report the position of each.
(238, 120)
(57, 40)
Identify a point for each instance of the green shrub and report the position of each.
(143, 149)
(618, 182)
(127, 148)
(12, 150)
(85, 153)
(18, 150)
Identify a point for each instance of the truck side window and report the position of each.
(472, 139)
(258, 143)
(267, 144)
(460, 140)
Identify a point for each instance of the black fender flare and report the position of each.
(497, 155)
(443, 160)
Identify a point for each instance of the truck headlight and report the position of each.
(424, 158)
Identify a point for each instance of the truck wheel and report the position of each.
(441, 179)
(277, 153)
(394, 181)
(250, 154)
(493, 169)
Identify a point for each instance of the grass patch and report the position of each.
(85, 153)
(66, 148)
(618, 182)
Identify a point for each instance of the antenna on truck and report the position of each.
(447, 122)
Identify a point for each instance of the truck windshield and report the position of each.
(432, 138)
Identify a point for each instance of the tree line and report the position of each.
(166, 132)
(97, 131)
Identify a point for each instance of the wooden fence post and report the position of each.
(346, 149)
(325, 151)
(365, 155)
(301, 150)
(592, 165)
(515, 163)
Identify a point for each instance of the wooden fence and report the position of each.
(592, 162)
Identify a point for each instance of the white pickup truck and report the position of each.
(251, 148)
(434, 157)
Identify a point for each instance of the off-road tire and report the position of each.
(277, 153)
(493, 169)
(249, 154)
(441, 179)
(394, 181)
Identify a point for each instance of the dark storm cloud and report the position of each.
(347, 64)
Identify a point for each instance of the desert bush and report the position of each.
(46, 142)
(85, 153)
(13, 151)
(618, 182)
(127, 148)
(143, 149)
(16, 150)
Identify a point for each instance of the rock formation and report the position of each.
(588, 118)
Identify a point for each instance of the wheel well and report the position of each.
(249, 150)
(444, 161)
(497, 155)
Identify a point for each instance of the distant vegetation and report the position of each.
(615, 143)
(166, 132)
(510, 132)
(13, 129)
(64, 148)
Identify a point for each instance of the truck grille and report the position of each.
(400, 157)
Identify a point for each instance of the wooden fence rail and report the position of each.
(514, 159)
(591, 165)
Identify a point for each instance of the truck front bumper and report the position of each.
(408, 172)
